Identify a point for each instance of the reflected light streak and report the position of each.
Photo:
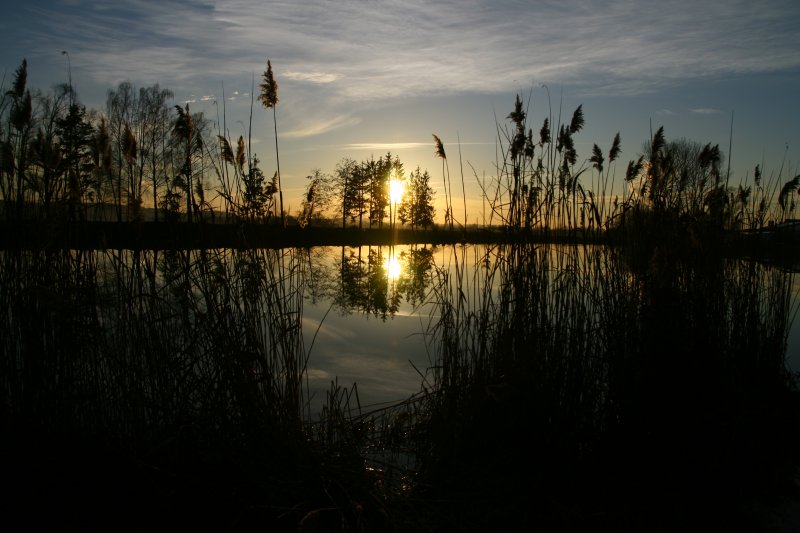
(392, 266)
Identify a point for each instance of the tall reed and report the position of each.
(190, 365)
(269, 99)
(568, 385)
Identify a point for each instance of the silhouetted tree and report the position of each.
(188, 135)
(416, 208)
(103, 160)
(77, 140)
(317, 197)
(258, 192)
(379, 173)
(154, 118)
(682, 177)
(47, 170)
(119, 109)
(350, 184)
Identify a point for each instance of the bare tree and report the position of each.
(154, 117)
(119, 108)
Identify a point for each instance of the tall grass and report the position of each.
(570, 388)
(189, 365)
(269, 98)
(569, 385)
(577, 385)
(542, 183)
(58, 160)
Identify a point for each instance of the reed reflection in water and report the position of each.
(576, 385)
(365, 318)
(163, 380)
(544, 385)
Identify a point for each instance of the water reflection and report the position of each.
(350, 289)
(632, 390)
(392, 265)
(371, 280)
(534, 369)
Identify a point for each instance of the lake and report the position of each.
(445, 373)
(367, 314)
(384, 349)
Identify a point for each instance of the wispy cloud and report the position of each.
(313, 77)
(308, 129)
(390, 49)
(705, 111)
(349, 54)
(393, 146)
(386, 146)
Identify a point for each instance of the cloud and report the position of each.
(358, 51)
(313, 77)
(387, 146)
(665, 112)
(339, 334)
(705, 111)
(321, 126)
(319, 374)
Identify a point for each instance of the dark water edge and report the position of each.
(777, 246)
(643, 397)
(36, 235)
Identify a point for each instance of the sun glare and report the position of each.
(392, 266)
(396, 191)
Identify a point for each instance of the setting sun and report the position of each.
(396, 188)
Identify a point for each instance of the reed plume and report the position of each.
(448, 216)
(577, 122)
(615, 149)
(788, 188)
(269, 99)
(227, 151)
(439, 147)
(240, 155)
(269, 89)
(597, 159)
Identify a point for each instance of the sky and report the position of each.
(360, 78)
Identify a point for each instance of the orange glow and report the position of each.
(396, 188)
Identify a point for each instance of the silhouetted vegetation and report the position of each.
(603, 361)
(567, 393)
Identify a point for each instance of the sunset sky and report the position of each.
(360, 78)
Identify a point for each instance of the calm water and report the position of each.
(634, 370)
(793, 339)
(388, 352)
(371, 333)
(363, 316)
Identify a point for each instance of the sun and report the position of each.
(396, 188)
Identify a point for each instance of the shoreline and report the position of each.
(94, 235)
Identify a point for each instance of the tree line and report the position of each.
(360, 192)
(60, 160)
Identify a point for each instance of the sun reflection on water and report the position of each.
(392, 266)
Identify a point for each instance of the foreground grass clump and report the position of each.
(570, 385)
(570, 392)
(163, 389)
(567, 387)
